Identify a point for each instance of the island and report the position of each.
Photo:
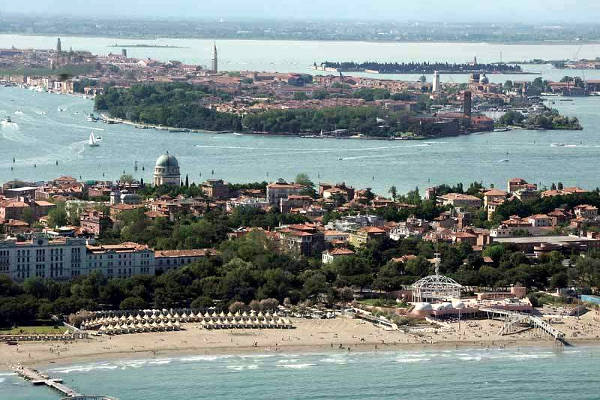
(420, 67)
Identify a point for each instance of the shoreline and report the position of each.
(296, 349)
(309, 336)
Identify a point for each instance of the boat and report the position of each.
(61, 109)
(501, 129)
(237, 134)
(92, 118)
(93, 141)
(7, 120)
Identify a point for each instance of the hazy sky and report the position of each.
(401, 10)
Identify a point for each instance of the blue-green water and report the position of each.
(42, 135)
(527, 373)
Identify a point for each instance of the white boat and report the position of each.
(93, 142)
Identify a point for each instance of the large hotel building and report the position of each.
(66, 258)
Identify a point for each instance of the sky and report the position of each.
(527, 11)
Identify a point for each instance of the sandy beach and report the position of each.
(340, 334)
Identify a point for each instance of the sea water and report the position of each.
(511, 373)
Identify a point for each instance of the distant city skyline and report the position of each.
(526, 11)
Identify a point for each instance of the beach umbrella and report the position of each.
(177, 325)
(130, 318)
(102, 329)
(229, 314)
(154, 325)
(169, 325)
(162, 326)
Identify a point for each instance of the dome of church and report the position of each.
(167, 160)
(166, 170)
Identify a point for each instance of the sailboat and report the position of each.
(93, 142)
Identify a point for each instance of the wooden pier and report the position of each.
(512, 318)
(38, 378)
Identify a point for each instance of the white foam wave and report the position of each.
(160, 362)
(202, 358)
(83, 368)
(296, 366)
(470, 358)
(412, 360)
(242, 367)
(334, 360)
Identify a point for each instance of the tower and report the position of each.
(215, 62)
(436, 82)
(58, 46)
(467, 103)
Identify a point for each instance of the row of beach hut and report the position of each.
(249, 323)
(139, 328)
(159, 317)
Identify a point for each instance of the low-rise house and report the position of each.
(331, 236)
(165, 260)
(215, 189)
(495, 196)
(329, 255)
(412, 227)
(540, 220)
(295, 201)
(282, 190)
(586, 211)
(93, 222)
(305, 240)
(460, 200)
(363, 235)
(516, 184)
(464, 237)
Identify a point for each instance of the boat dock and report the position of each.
(38, 378)
(512, 318)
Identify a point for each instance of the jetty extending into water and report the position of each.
(38, 378)
(513, 319)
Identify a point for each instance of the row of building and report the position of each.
(67, 258)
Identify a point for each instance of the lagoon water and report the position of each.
(41, 135)
(513, 373)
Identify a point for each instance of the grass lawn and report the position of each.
(33, 330)
(379, 302)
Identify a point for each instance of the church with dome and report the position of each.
(166, 171)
